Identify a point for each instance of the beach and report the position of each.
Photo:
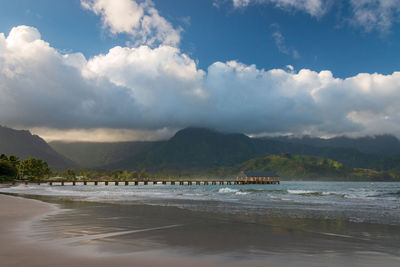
(18, 250)
(70, 231)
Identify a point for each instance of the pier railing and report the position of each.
(276, 180)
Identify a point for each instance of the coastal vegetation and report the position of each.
(288, 166)
(303, 167)
(12, 168)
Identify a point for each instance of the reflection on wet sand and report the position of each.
(120, 228)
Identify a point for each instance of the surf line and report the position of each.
(99, 236)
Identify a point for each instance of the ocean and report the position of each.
(350, 219)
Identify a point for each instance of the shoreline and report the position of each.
(20, 249)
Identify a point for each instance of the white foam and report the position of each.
(227, 190)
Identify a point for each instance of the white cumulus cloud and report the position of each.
(141, 21)
(144, 89)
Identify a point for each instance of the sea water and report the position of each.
(359, 221)
(371, 202)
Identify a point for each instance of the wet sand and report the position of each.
(19, 250)
(162, 237)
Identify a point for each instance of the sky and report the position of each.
(100, 70)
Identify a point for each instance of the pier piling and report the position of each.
(237, 181)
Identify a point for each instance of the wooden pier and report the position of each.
(187, 182)
(245, 178)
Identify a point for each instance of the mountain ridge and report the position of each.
(24, 144)
(198, 148)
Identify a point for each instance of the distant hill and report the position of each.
(25, 145)
(199, 148)
(295, 166)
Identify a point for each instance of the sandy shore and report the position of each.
(18, 248)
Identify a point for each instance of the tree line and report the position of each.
(13, 168)
(71, 174)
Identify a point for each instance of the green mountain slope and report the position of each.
(194, 148)
(199, 149)
(25, 145)
(307, 167)
(296, 166)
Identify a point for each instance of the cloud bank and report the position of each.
(148, 89)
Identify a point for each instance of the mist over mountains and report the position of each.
(200, 148)
(386, 145)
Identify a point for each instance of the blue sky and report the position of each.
(249, 39)
(224, 33)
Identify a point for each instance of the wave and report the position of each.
(334, 194)
(316, 193)
(305, 192)
(241, 193)
(227, 190)
(258, 191)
